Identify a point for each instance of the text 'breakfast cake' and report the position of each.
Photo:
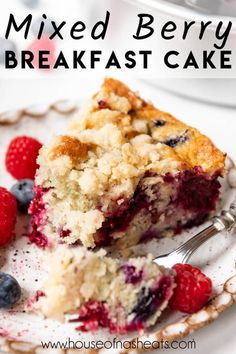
(125, 172)
(99, 291)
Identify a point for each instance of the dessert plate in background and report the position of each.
(25, 331)
(209, 89)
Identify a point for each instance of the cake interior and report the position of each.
(125, 172)
(161, 206)
(95, 314)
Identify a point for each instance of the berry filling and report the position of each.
(197, 192)
(95, 314)
(38, 210)
(102, 104)
(161, 205)
(151, 299)
(173, 142)
(159, 123)
(192, 193)
(132, 276)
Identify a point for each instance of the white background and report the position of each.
(119, 37)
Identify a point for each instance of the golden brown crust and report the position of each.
(202, 152)
(71, 147)
(120, 89)
(198, 150)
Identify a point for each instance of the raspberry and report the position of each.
(21, 157)
(192, 291)
(8, 211)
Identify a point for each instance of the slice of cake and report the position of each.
(98, 291)
(123, 173)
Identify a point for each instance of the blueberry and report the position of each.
(173, 142)
(30, 3)
(10, 291)
(23, 191)
(149, 300)
(159, 123)
(145, 306)
(5, 44)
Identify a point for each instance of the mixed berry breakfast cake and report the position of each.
(98, 291)
(123, 173)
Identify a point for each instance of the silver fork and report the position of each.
(226, 221)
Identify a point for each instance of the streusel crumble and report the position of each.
(123, 173)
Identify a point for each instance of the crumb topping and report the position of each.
(70, 146)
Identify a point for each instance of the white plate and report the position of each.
(219, 91)
(197, 10)
(217, 258)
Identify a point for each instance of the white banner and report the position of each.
(65, 38)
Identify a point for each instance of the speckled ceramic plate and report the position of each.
(23, 332)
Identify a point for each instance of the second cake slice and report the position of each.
(101, 292)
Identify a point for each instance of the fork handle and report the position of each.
(226, 221)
